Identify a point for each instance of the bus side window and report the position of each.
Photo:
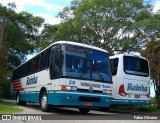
(42, 61)
(28, 69)
(35, 64)
(47, 58)
(114, 64)
(51, 65)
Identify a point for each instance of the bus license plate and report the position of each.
(137, 96)
(88, 104)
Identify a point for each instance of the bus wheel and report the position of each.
(18, 101)
(43, 102)
(84, 110)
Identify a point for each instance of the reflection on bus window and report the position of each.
(76, 65)
(136, 66)
(93, 67)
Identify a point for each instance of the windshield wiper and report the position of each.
(98, 73)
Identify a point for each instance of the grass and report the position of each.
(145, 109)
(150, 108)
(6, 108)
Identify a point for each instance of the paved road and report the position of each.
(74, 114)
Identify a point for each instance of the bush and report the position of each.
(151, 107)
(152, 101)
(147, 108)
(4, 87)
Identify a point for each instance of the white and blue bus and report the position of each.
(131, 79)
(65, 74)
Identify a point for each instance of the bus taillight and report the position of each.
(121, 91)
(148, 95)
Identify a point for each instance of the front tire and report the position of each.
(44, 102)
(84, 110)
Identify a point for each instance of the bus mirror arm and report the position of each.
(112, 68)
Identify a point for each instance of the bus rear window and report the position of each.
(136, 66)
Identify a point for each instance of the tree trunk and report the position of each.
(158, 98)
(2, 62)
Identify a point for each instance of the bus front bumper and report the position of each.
(79, 99)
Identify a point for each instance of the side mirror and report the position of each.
(113, 69)
(58, 54)
(114, 66)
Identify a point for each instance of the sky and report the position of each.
(48, 9)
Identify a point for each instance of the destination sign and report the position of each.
(75, 49)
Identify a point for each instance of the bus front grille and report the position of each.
(86, 90)
(89, 99)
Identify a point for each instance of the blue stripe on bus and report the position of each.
(12, 96)
(69, 98)
(29, 97)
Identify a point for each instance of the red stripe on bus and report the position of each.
(20, 89)
(16, 81)
(15, 86)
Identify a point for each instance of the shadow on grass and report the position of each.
(6, 108)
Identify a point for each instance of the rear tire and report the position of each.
(44, 102)
(84, 110)
(18, 101)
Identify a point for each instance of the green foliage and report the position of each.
(146, 108)
(5, 85)
(47, 35)
(151, 108)
(109, 24)
(20, 34)
(152, 53)
(152, 101)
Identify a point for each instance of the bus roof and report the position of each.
(69, 43)
(127, 54)
(77, 44)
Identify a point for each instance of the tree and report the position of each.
(152, 53)
(20, 34)
(47, 35)
(108, 24)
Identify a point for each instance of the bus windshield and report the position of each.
(87, 64)
(136, 66)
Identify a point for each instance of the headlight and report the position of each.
(107, 91)
(64, 87)
(73, 88)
